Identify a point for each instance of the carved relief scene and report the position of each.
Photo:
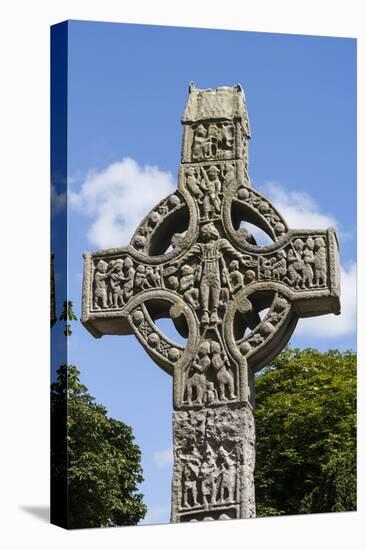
(212, 140)
(210, 456)
(210, 273)
(207, 184)
(301, 265)
(116, 280)
(211, 378)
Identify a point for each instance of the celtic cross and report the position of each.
(193, 259)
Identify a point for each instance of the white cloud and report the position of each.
(163, 458)
(299, 210)
(156, 514)
(117, 199)
(333, 326)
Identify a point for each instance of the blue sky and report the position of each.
(127, 88)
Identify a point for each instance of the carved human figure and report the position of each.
(224, 296)
(209, 252)
(229, 175)
(223, 375)
(209, 475)
(226, 137)
(249, 276)
(267, 266)
(140, 277)
(236, 279)
(197, 380)
(152, 278)
(186, 285)
(295, 264)
(190, 477)
(308, 257)
(320, 262)
(279, 267)
(192, 183)
(212, 188)
(100, 289)
(227, 476)
(129, 280)
(116, 279)
(210, 281)
(213, 139)
(200, 146)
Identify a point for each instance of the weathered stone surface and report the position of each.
(236, 302)
(214, 457)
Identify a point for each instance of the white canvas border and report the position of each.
(25, 357)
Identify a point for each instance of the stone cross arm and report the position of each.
(122, 286)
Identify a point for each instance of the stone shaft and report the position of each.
(214, 458)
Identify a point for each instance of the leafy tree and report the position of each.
(96, 459)
(306, 433)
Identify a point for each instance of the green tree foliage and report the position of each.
(306, 433)
(103, 464)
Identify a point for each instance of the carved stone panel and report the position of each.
(216, 125)
(302, 264)
(117, 279)
(214, 456)
(211, 378)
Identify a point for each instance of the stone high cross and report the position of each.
(193, 259)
